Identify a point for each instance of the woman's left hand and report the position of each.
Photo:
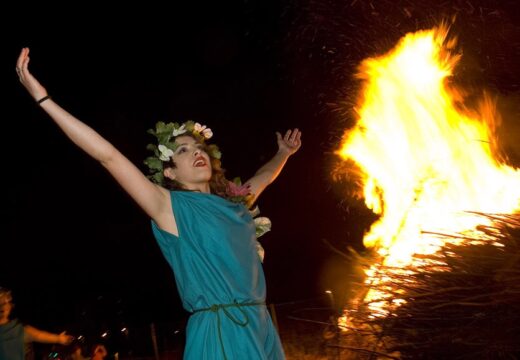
(290, 142)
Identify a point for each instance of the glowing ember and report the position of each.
(426, 160)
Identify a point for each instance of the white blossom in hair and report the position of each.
(166, 153)
(181, 130)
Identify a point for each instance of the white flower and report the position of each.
(254, 212)
(166, 153)
(263, 225)
(179, 131)
(260, 251)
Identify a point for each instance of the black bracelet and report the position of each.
(47, 97)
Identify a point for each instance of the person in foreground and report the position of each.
(14, 335)
(99, 352)
(76, 352)
(201, 222)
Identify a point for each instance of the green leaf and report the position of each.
(159, 126)
(171, 145)
(157, 178)
(154, 163)
(214, 152)
(190, 125)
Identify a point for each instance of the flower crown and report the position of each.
(163, 151)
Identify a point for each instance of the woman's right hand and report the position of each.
(35, 89)
(65, 339)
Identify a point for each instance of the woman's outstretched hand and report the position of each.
(65, 339)
(290, 142)
(35, 89)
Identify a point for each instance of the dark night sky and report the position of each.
(244, 68)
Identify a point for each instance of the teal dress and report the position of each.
(12, 346)
(220, 279)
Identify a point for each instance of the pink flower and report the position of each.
(207, 133)
(237, 190)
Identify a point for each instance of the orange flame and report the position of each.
(426, 160)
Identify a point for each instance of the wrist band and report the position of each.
(47, 97)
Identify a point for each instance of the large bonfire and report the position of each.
(444, 282)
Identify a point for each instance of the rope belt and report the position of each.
(215, 308)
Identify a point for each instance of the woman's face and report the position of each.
(192, 163)
(5, 308)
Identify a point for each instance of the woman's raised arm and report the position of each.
(287, 145)
(153, 199)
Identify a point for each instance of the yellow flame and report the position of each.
(425, 158)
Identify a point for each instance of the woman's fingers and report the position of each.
(22, 63)
(19, 60)
(287, 135)
(292, 136)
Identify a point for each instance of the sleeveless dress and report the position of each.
(220, 279)
(12, 346)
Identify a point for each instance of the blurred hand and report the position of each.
(65, 339)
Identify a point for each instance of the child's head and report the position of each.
(6, 304)
(99, 352)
